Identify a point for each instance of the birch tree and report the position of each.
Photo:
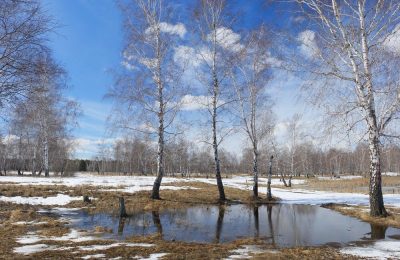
(353, 46)
(45, 117)
(250, 79)
(149, 90)
(23, 30)
(219, 42)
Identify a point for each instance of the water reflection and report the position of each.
(378, 232)
(157, 222)
(220, 221)
(281, 225)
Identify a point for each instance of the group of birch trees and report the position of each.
(38, 117)
(346, 51)
(158, 59)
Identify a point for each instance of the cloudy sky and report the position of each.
(89, 42)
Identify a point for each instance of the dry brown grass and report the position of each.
(306, 253)
(362, 212)
(358, 185)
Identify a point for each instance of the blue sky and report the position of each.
(89, 41)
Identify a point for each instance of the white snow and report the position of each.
(342, 177)
(60, 199)
(105, 247)
(138, 183)
(246, 252)
(30, 249)
(391, 174)
(120, 183)
(384, 249)
(155, 256)
(73, 236)
(94, 256)
(29, 223)
(29, 238)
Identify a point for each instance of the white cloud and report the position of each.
(392, 43)
(308, 45)
(177, 29)
(149, 63)
(227, 39)
(87, 148)
(191, 57)
(186, 56)
(128, 66)
(190, 102)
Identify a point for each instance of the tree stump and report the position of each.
(122, 210)
(86, 199)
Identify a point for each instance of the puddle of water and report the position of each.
(282, 225)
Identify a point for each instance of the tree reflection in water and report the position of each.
(256, 221)
(157, 222)
(378, 232)
(220, 220)
(271, 226)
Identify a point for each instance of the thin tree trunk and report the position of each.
(34, 162)
(46, 157)
(255, 172)
(214, 120)
(269, 194)
(160, 161)
(160, 151)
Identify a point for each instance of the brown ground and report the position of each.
(358, 185)
(107, 201)
(362, 212)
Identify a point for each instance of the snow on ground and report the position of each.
(29, 223)
(301, 196)
(245, 182)
(155, 256)
(129, 183)
(72, 236)
(60, 199)
(246, 251)
(138, 183)
(105, 247)
(384, 249)
(30, 249)
(30, 240)
(345, 177)
(94, 256)
(390, 173)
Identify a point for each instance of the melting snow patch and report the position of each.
(94, 256)
(105, 247)
(30, 238)
(30, 249)
(60, 199)
(385, 249)
(73, 236)
(245, 252)
(29, 223)
(155, 256)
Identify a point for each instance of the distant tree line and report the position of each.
(136, 157)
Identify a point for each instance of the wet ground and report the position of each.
(282, 225)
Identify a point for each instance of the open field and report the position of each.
(357, 184)
(32, 234)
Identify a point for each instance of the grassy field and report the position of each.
(391, 184)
